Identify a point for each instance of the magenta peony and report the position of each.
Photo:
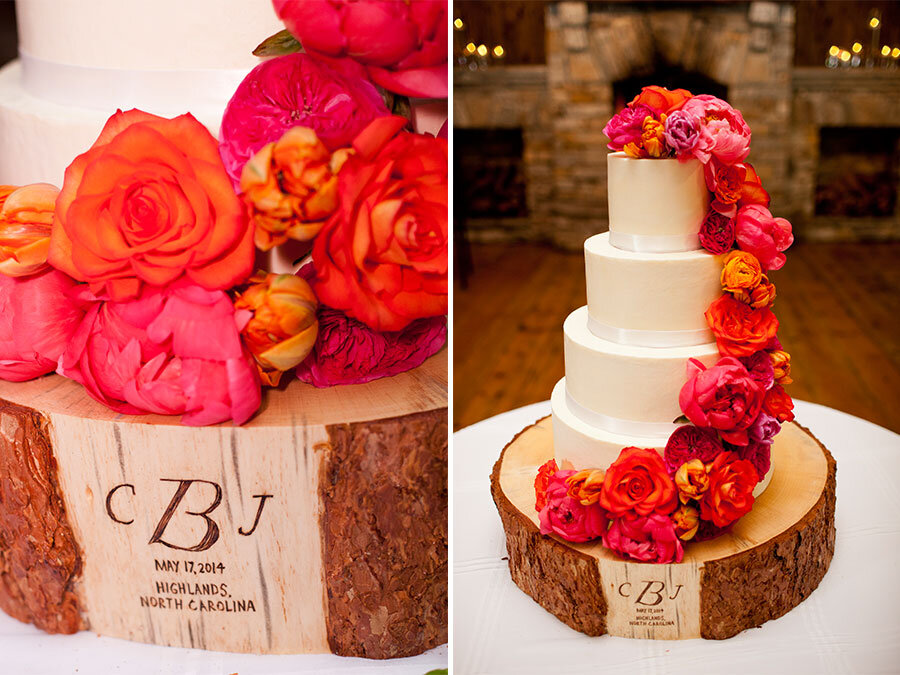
(649, 539)
(37, 319)
(682, 134)
(566, 516)
(295, 90)
(759, 233)
(723, 397)
(626, 126)
(717, 233)
(723, 132)
(688, 442)
(402, 44)
(347, 351)
(759, 365)
(172, 351)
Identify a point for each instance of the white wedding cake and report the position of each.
(649, 283)
(80, 61)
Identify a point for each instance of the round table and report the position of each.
(851, 623)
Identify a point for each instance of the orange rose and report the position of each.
(779, 404)
(739, 329)
(26, 218)
(761, 296)
(148, 203)
(691, 479)
(730, 493)
(291, 187)
(585, 486)
(742, 271)
(638, 481)
(686, 520)
(781, 363)
(661, 99)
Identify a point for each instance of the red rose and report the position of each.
(779, 404)
(717, 233)
(689, 442)
(730, 493)
(382, 257)
(541, 481)
(638, 481)
(740, 330)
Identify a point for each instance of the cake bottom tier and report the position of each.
(773, 558)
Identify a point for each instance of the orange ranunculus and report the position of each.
(779, 404)
(761, 296)
(661, 99)
(26, 218)
(742, 271)
(148, 203)
(739, 329)
(585, 486)
(686, 520)
(291, 187)
(730, 493)
(382, 256)
(638, 481)
(542, 481)
(283, 328)
(781, 363)
(691, 479)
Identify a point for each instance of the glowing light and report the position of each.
(470, 48)
(895, 52)
(498, 51)
(857, 48)
(482, 50)
(458, 24)
(874, 22)
(845, 56)
(885, 50)
(834, 50)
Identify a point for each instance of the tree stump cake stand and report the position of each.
(319, 526)
(774, 557)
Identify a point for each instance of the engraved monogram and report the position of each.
(114, 508)
(651, 594)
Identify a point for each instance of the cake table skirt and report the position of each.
(774, 557)
(319, 526)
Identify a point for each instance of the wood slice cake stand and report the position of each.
(775, 556)
(319, 526)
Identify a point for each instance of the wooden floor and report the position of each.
(838, 304)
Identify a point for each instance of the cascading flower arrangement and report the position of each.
(137, 280)
(645, 506)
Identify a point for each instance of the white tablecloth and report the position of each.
(850, 624)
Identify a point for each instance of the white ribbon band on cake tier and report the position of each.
(158, 91)
(642, 430)
(633, 337)
(652, 243)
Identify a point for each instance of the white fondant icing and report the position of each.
(651, 291)
(656, 197)
(638, 384)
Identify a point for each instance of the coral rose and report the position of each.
(26, 218)
(566, 517)
(716, 233)
(660, 99)
(402, 44)
(741, 271)
(171, 351)
(382, 257)
(688, 442)
(626, 126)
(686, 520)
(723, 397)
(147, 204)
(740, 330)
(638, 481)
(291, 187)
(757, 232)
(692, 480)
(730, 493)
(779, 404)
(586, 485)
(723, 132)
(542, 482)
(37, 320)
(650, 539)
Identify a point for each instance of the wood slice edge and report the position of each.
(767, 580)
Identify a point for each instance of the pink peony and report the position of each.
(759, 455)
(649, 539)
(294, 90)
(723, 132)
(172, 351)
(347, 351)
(757, 232)
(717, 233)
(723, 397)
(759, 365)
(689, 442)
(626, 126)
(682, 134)
(37, 319)
(402, 44)
(763, 429)
(567, 517)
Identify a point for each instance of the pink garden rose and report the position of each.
(649, 539)
(402, 44)
(37, 319)
(295, 90)
(347, 351)
(759, 365)
(717, 233)
(688, 442)
(626, 126)
(723, 132)
(759, 233)
(172, 351)
(566, 516)
(759, 455)
(682, 134)
(723, 397)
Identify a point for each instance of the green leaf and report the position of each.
(681, 420)
(442, 671)
(278, 45)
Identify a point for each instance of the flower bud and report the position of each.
(26, 218)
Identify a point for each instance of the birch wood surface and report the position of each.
(319, 526)
(773, 558)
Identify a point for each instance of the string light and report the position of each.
(499, 52)
(470, 48)
(895, 52)
(857, 48)
(482, 50)
(885, 50)
(874, 22)
(834, 50)
(458, 24)
(845, 56)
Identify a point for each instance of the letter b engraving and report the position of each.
(212, 529)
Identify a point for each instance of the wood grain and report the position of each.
(838, 304)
